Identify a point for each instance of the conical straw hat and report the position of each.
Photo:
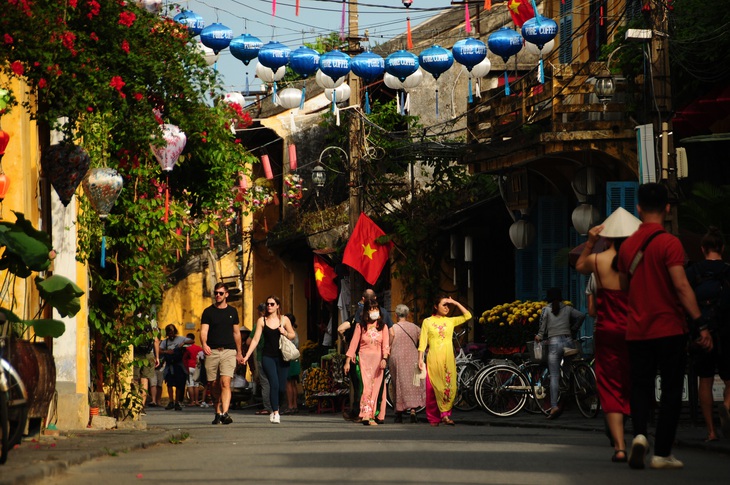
(621, 223)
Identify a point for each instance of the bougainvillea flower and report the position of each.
(8, 39)
(17, 68)
(127, 18)
(125, 46)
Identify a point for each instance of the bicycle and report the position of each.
(13, 398)
(467, 368)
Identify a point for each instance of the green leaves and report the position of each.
(26, 249)
(61, 293)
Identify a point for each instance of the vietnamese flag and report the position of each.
(324, 275)
(521, 11)
(362, 252)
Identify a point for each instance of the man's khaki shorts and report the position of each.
(220, 362)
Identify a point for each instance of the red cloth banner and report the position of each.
(521, 11)
(324, 275)
(362, 253)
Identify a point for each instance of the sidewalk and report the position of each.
(40, 457)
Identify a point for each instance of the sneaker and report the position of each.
(271, 418)
(638, 452)
(226, 419)
(724, 419)
(204, 404)
(170, 405)
(276, 418)
(217, 419)
(665, 462)
(178, 407)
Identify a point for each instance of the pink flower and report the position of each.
(127, 18)
(17, 68)
(125, 46)
(89, 109)
(8, 39)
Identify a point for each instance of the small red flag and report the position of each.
(324, 275)
(521, 11)
(362, 252)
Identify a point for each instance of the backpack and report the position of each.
(712, 290)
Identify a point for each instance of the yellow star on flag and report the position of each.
(368, 250)
(319, 275)
(514, 5)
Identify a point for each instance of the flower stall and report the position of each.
(508, 326)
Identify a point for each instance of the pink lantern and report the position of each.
(168, 153)
(267, 167)
(65, 166)
(102, 186)
(292, 157)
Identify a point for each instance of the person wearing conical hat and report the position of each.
(611, 350)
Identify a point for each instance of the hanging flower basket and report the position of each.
(262, 193)
(293, 189)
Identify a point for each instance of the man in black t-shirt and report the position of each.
(221, 339)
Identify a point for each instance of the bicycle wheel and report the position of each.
(4, 424)
(466, 375)
(539, 378)
(584, 388)
(17, 404)
(502, 390)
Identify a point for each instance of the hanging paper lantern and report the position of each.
(216, 36)
(531, 48)
(539, 30)
(245, 48)
(326, 82)
(274, 55)
(505, 43)
(392, 82)
(290, 98)
(334, 64)
(436, 60)
(304, 61)
(210, 56)
(234, 97)
(65, 166)
(480, 70)
(522, 233)
(413, 80)
(194, 22)
(168, 153)
(4, 185)
(4, 140)
(267, 167)
(102, 186)
(401, 64)
(338, 94)
(292, 157)
(368, 66)
(268, 75)
(469, 52)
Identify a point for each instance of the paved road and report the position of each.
(325, 449)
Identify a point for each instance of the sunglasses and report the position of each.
(220, 292)
(268, 303)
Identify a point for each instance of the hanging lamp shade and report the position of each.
(4, 185)
(505, 43)
(392, 82)
(170, 151)
(268, 75)
(340, 93)
(480, 70)
(216, 36)
(326, 82)
(401, 64)
(234, 97)
(368, 66)
(413, 80)
(531, 48)
(208, 54)
(4, 140)
(522, 233)
(436, 60)
(65, 166)
(539, 30)
(469, 52)
(245, 48)
(290, 98)
(274, 55)
(584, 217)
(334, 64)
(304, 61)
(102, 186)
(194, 22)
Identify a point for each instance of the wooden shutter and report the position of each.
(621, 194)
(552, 236)
(566, 32)
(526, 273)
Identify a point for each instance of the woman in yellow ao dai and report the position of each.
(436, 333)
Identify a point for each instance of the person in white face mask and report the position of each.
(370, 346)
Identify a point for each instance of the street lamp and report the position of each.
(319, 176)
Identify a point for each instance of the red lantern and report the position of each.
(292, 157)
(4, 185)
(267, 167)
(4, 140)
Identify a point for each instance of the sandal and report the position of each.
(448, 420)
(263, 412)
(619, 456)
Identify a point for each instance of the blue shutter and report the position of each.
(578, 284)
(621, 194)
(552, 236)
(526, 273)
(566, 32)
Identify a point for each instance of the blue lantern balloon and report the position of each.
(469, 52)
(274, 55)
(245, 48)
(436, 60)
(304, 61)
(505, 43)
(369, 67)
(216, 36)
(539, 31)
(401, 64)
(334, 64)
(194, 22)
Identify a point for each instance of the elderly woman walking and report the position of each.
(436, 333)
(403, 364)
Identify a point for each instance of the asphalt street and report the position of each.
(311, 448)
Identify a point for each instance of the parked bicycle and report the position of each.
(13, 397)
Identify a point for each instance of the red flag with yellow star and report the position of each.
(362, 252)
(324, 275)
(521, 11)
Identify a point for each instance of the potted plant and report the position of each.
(508, 326)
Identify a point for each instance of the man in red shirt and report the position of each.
(651, 267)
(190, 361)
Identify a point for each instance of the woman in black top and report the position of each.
(272, 325)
